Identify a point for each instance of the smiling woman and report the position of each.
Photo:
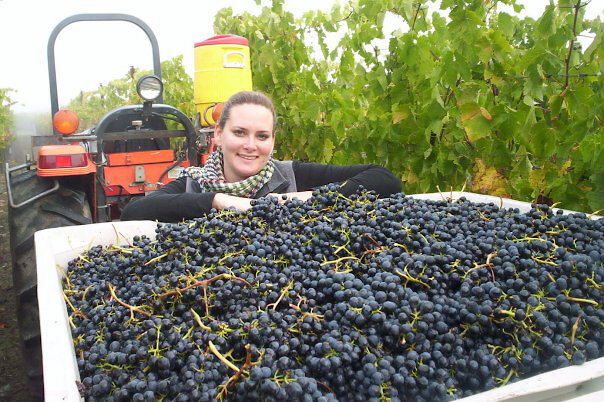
(243, 169)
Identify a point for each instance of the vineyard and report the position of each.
(480, 99)
(509, 106)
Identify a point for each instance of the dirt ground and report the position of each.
(13, 381)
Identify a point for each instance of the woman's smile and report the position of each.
(248, 157)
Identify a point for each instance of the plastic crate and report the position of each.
(56, 247)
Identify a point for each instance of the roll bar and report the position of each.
(52, 73)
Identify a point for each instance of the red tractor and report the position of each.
(89, 177)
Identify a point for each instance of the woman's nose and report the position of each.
(250, 142)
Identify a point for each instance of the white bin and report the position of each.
(56, 247)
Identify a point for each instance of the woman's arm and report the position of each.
(172, 204)
(371, 177)
(169, 204)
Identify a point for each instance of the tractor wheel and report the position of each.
(65, 207)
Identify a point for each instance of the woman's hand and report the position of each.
(223, 201)
(301, 195)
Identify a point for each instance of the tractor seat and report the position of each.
(124, 123)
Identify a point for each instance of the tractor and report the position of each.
(88, 177)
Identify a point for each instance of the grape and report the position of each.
(339, 298)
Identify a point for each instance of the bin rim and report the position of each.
(227, 39)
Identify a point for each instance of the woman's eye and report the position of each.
(238, 133)
(263, 137)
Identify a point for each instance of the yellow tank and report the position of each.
(222, 68)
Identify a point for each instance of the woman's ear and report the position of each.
(217, 135)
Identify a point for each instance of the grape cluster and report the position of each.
(339, 298)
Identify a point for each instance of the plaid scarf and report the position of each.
(211, 177)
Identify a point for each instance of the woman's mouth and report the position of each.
(248, 157)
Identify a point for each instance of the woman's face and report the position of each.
(247, 141)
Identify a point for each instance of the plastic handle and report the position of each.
(234, 64)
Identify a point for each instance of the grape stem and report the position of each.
(574, 330)
(283, 292)
(409, 278)
(131, 308)
(221, 357)
(487, 264)
(204, 284)
(75, 310)
(198, 320)
(237, 375)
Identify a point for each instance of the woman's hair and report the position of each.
(246, 97)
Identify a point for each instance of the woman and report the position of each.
(242, 169)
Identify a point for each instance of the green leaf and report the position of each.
(595, 197)
(518, 7)
(407, 6)
(534, 84)
(474, 122)
(474, 17)
(477, 128)
(469, 111)
(531, 57)
(530, 120)
(400, 112)
(543, 140)
(381, 78)
(547, 22)
(506, 24)
(595, 44)
(555, 102)
(327, 150)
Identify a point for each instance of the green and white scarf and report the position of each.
(211, 177)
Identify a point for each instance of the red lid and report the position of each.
(224, 40)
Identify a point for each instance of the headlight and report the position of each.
(149, 87)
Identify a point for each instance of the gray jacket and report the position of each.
(283, 181)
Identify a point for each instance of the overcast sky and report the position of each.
(89, 53)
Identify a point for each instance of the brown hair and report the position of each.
(246, 97)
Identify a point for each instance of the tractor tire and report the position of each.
(67, 206)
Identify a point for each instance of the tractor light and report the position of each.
(149, 87)
(65, 122)
(62, 161)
